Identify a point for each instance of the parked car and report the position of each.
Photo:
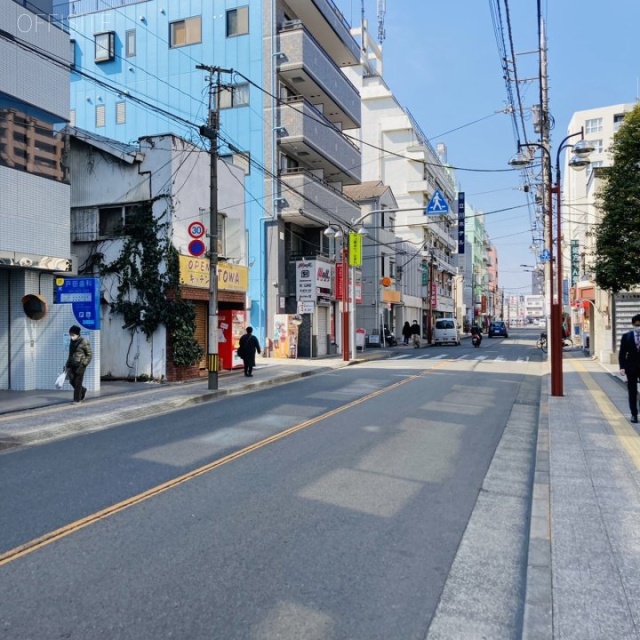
(498, 328)
(446, 331)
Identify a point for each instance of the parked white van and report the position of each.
(446, 331)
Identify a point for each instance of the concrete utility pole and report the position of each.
(555, 297)
(430, 299)
(210, 131)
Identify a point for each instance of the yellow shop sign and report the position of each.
(195, 272)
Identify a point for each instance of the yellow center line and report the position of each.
(626, 434)
(72, 527)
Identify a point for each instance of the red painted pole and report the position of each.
(345, 305)
(557, 386)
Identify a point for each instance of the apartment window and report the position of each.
(593, 126)
(72, 47)
(185, 32)
(130, 43)
(618, 119)
(121, 112)
(112, 221)
(105, 46)
(72, 118)
(387, 221)
(237, 21)
(242, 160)
(598, 144)
(235, 95)
(101, 115)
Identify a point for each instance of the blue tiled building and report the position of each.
(136, 75)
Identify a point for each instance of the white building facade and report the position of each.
(397, 152)
(113, 186)
(597, 321)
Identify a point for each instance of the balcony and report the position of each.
(328, 26)
(305, 66)
(306, 200)
(308, 136)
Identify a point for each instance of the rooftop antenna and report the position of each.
(382, 9)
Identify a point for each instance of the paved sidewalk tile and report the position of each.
(595, 509)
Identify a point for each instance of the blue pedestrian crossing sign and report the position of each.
(437, 205)
(545, 256)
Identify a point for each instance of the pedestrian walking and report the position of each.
(629, 360)
(406, 332)
(77, 363)
(415, 334)
(247, 349)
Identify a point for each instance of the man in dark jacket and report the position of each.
(629, 359)
(247, 351)
(415, 334)
(77, 363)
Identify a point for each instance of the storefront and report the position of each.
(233, 284)
(314, 293)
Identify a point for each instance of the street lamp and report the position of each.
(348, 315)
(579, 160)
(338, 234)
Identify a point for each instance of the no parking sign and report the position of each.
(196, 247)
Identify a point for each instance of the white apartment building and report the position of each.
(599, 321)
(397, 152)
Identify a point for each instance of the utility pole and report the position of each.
(430, 299)
(210, 131)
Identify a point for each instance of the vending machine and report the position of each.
(231, 327)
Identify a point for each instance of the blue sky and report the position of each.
(442, 61)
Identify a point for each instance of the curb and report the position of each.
(147, 408)
(538, 602)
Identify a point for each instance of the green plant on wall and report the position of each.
(149, 291)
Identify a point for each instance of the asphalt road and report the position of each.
(329, 508)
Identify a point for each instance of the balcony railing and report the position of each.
(308, 136)
(316, 76)
(320, 201)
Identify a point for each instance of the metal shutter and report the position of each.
(322, 329)
(201, 333)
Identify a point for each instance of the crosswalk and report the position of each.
(444, 356)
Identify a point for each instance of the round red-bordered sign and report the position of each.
(197, 248)
(196, 229)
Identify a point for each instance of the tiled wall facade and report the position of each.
(34, 214)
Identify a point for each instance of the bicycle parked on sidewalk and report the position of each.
(567, 343)
(542, 342)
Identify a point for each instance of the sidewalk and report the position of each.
(29, 417)
(583, 578)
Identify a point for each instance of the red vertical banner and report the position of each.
(434, 295)
(483, 305)
(339, 276)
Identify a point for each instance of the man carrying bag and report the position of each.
(77, 363)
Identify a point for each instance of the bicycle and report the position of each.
(567, 343)
(542, 342)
